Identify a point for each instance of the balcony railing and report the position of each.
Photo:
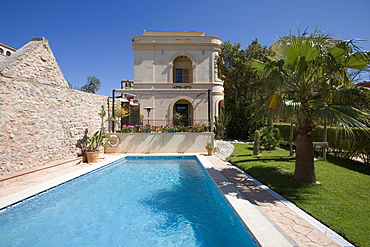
(157, 124)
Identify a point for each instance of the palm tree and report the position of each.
(307, 79)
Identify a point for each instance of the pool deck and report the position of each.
(299, 228)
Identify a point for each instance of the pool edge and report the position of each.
(259, 225)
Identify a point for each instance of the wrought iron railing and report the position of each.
(157, 124)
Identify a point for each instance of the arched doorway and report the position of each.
(182, 112)
(182, 70)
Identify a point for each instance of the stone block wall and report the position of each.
(42, 120)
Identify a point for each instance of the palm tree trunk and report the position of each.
(304, 165)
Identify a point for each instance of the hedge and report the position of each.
(339, 143)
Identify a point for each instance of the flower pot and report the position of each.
(210, 152)
(92, 157)
(147, 131)
(171, 131)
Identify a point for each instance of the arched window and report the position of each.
(1, 51)
(182, 70)
(8, 53)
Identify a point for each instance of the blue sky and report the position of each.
(91, 37)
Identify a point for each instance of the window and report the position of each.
(182, 76)
(1, 51)
(182, 70)
(178, 75)
(8, 53)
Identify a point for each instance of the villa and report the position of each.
(43, 124)
(175, 72)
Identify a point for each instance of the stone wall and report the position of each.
(41, 119)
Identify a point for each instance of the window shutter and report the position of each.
(186, 76)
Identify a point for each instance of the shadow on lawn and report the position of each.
(350, 164)
(265, 159)
(278, 179)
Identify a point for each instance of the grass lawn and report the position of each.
(341, 200)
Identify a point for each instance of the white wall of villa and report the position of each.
(6, 51)
(177, 69)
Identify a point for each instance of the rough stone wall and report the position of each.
(41, 119)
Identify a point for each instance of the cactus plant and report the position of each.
(256, 144)
(270, 137)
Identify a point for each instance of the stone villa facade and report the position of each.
(175, 72)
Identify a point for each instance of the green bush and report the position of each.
(270, 137)
(339, 143)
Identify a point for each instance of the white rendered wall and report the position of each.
(154, 55)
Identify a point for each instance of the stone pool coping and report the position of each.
(270, 219)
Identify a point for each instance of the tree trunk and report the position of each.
(304, 165)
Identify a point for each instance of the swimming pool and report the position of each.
(136, 201)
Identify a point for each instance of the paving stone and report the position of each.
(302, 229)
(297, 228)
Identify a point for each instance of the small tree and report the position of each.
(177, 117)
(92, 85)
(239, 79)
(120, 112)
(221, 122)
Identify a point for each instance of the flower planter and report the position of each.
(210, 152)
(92, 157)
(147, 131)
(171, 131)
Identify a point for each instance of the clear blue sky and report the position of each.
(91, 37)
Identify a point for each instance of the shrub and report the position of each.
(270, 137)
(339, 143)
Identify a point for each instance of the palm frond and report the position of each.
(344, 117)
(357, 61)
(258, 65)
(291, 108)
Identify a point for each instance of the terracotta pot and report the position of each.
(92, 157)
(210, 152)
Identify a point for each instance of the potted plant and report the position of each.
(170, 128)
(93, 144)
(198, 127)
(145, 128)
(97, 140)
(210, 147)
(127, 128)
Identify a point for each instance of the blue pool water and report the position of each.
(151, 201)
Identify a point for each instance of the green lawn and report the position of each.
(341, 200)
